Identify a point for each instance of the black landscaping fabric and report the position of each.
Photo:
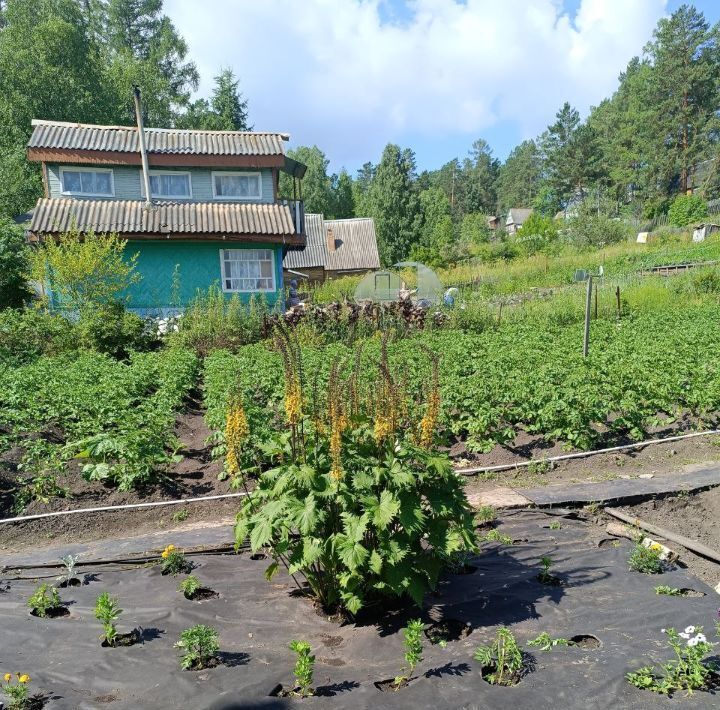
(257, 619)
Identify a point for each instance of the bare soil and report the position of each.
(695, 516)
(654, 459)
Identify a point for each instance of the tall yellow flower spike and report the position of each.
(236, 431)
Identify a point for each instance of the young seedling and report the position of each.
(555, 525)
(413, 633)
(502, 661)
(544, 575)
(174, 561)
(545, 642)
(200, 645)
(646, 560)
(486, 514)
(689, 671)
(189, 586)
(68, 578)
(43, 602)
(495, 536)
(180, 516)
(668, 591)
(304, 668)
(16, 688)
(108, 612)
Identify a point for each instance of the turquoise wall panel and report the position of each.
(128, 183)
(198, 265)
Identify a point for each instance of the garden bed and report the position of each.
(599, 596)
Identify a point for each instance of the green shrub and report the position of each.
(14, 264)
(27, 334)
(686, 209)
(212, 322)
(107, 612)
(375, 508)
(502, 661)
(593, 230)
(43, 601)
(304, 667)
(110, 328)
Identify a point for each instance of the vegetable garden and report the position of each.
(334, 432)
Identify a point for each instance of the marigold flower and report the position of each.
(8, 677)
(24, 678)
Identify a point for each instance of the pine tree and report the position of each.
(519, 177)
(683, 92)
(316, 186)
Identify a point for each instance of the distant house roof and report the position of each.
(517, 215)
(355, 245)
(184, 220)
(165, 146)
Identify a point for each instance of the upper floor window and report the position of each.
(170, 185)
(91, 182)
(237, 186)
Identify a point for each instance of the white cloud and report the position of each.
(332, 72)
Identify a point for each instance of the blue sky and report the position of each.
(432, 75)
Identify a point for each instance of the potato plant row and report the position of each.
(644, 370)
(117, 416)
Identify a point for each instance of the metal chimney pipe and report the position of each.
(143, 149)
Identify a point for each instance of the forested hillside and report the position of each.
(655, 138)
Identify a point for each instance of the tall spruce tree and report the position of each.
(227, 109)
(393, 203)
(343, 198)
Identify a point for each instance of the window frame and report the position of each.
(235, 173)
(167, 172)
(76, 169)
(273, 261)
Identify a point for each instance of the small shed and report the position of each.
(516, 218)
(703, 230)
(334, 248)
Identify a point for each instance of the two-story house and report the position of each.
(213, 216)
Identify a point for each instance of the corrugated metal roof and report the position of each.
(355, 245)
(315, 251)
(133, 217)
(172, 141)
(517, 215)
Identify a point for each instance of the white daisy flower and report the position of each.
(701, 638)
(690, 630)
(684, 636)
(693, 641)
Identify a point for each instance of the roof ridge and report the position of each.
(109, 127)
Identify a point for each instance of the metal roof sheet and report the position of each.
(355, 245)
(315, 251)
(61, 135)
(134, 217)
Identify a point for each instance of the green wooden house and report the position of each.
(213, 218)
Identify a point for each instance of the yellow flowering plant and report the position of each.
(359, 503)
(16, 689)
(173, 561)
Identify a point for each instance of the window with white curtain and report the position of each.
(94, 183)
(170, 185)
(237, 186)
(248, 270)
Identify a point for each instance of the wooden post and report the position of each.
(617, 298)
(588, 305)
(596, 302)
